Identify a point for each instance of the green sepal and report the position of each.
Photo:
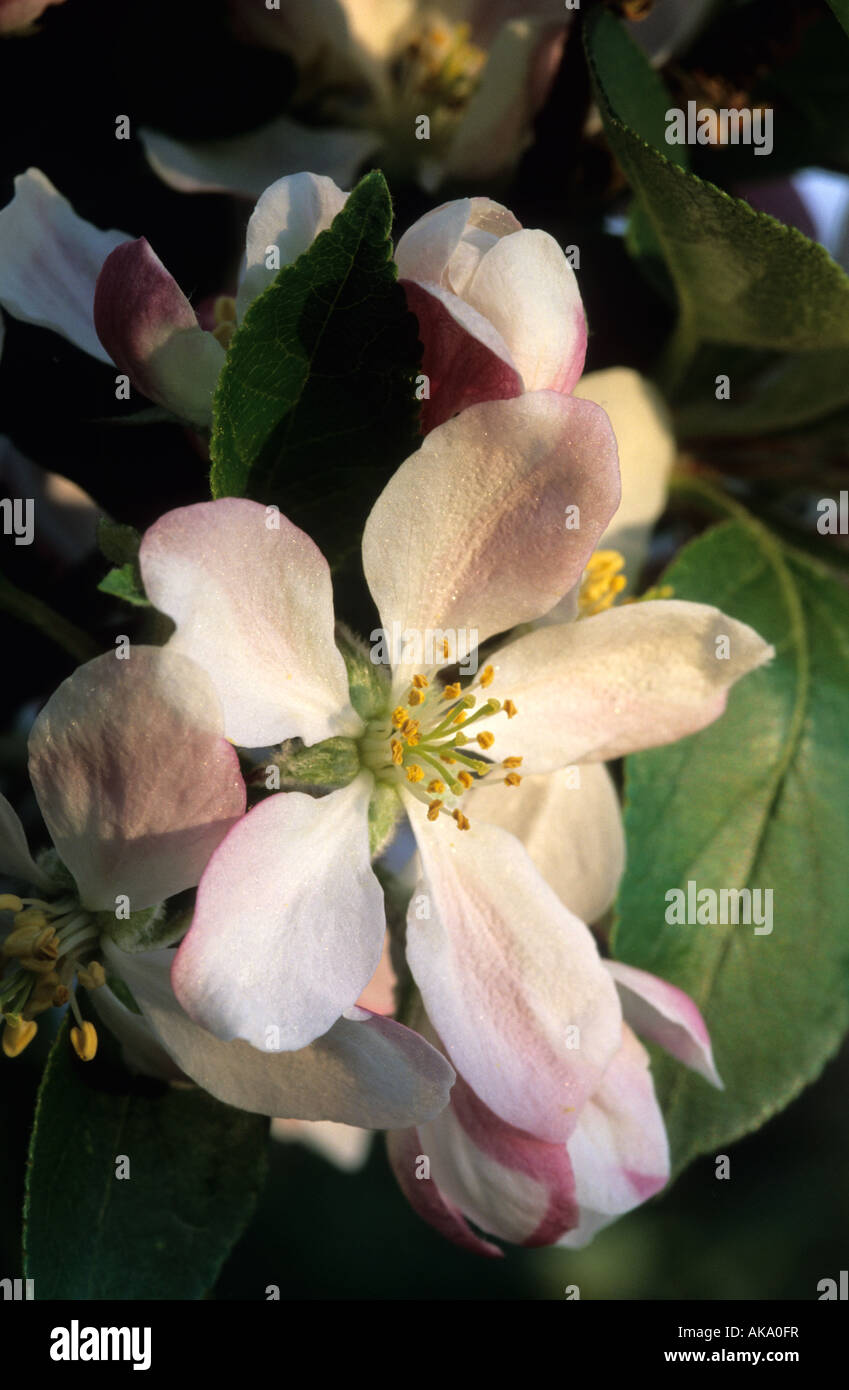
(324, 767)
(384, 813)
(368, 681)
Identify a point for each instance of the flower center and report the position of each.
(40, 959)
(440, 62)
(423, 744)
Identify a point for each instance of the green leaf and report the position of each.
(118, 543)
(125, 583)
(761, 800)
(196, 1169)
(740, 277)
(841, 10)
(315, 407)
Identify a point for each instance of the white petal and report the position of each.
(15, 858)
(253, 604)
(646, 444)
(425, 249)
(134, 777)
(631, 678)
(366, 1071)
(345, 1146)
(247, 164)
(665, 1015)
(288, 927)
(510, 978)
(619, 1150)
(571, 826)
(289, 215)
(527, 289)
(470, 533)
(50, 260)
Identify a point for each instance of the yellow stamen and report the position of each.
(420, 682)
(415, 696)
(414, 773)
(451, 692)
(512, 779)
(400, 717)
(436, 788)
(462, 821)
(512, 762)
(434, 809)
(602, 583)
(465, 778)
(91, 976)
(32, 917)
(486, 739)
(84, 1041)
(487, 676)
(224, 309)
(459, 717)
(17, 1036)
(32, 940)
(446, 650)
(397, 752)
(410, 726)
(446, 758)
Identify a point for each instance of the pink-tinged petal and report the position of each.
(151, 332)
(631, 678)
(464, 359)
(646, 443)
(511, 980)
(15, 859)
(378, 997)
(665, 1015)
(248, 164)
(252, 600)
(345, 1146)
(365, 1071)
(471, 532)
(18, 14)
(405, 1155)
(571, 825)
(514, 1186)
(289, 923)
(134, 777)
(497, 124)
(619, 1150)
(527, 290)
(289, 216)
(50, 260)
(425, 249)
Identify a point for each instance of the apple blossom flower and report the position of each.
(369, 70)
(137, 785)
(467, 537)
(467, 1164)
(498, 306)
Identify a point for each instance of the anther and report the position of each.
(512, 779)
(84, 1041)
(510, 709)
(436, 788)
(487, 676)
(414, 772)
(18, 1035)
(433, 810)
(486, 739)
